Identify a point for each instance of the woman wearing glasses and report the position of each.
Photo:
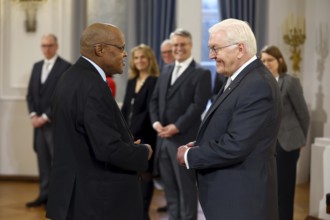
(293, 130)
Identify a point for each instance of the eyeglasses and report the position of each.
(47, 45)
(269, 60)
(121, 48)
(166, 51)
(215, 51)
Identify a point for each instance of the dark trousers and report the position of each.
(286, 181)
(44, 149)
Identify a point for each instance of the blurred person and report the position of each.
(44, 77)
(167, 58)
(179, 98)
(166, 52)
(143, 74)
(293, 130)
(96, 161)
(234, 152)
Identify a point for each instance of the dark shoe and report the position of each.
(162, 209)
(36, 203)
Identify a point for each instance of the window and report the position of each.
(210, 16)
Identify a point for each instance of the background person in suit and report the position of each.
(167, 58)
(143, 74)
(234, 152)
(293, 130)
(176, 106)
(96, 161)
(43, 80)
(166, 52)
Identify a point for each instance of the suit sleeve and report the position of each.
(60, 69)
(202, 94)
(250, 113)
(29, 96)
(153, 104)
(109, 135)
(299, 105)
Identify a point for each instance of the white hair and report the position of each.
(237, 31)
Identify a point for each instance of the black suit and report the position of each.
(235, 149)
(95, 159)
(136, 112)
(38, 100)
(181, 104)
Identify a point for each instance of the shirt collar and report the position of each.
(51, 60)
(99, 70)
(185, 63)
(242, 67)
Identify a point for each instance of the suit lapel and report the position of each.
(183, 77)
(280, 81)
(226, 94)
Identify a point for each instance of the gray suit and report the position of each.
(292, 136)
(181, 104)
(295, 116)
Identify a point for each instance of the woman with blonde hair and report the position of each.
(143, 74)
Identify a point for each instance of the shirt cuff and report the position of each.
(186, 158)
(32, 114)
(44, 116)
(155, 124)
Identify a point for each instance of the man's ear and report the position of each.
(98, 50)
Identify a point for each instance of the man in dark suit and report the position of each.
(234, 152)
(44, 77)
(96, 160)
(179, 98)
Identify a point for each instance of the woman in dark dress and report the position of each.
(143, 75)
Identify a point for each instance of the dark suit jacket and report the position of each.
(95, 160)
(137, 115)
(39, 95)
(235, 157)
(182, 103)
(295, 116)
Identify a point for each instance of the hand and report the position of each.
(150, 151)
(168, 131)
(35, 121)
(138, 141)
(158, 127)
(42, 121)
(180, 155)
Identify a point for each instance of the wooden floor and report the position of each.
(14, 195)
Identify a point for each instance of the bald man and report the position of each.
(96, 160)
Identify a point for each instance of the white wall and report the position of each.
(316, 12)
(189, 17)
(18, 51)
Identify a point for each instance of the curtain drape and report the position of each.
(252, 11)
(155, 20)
